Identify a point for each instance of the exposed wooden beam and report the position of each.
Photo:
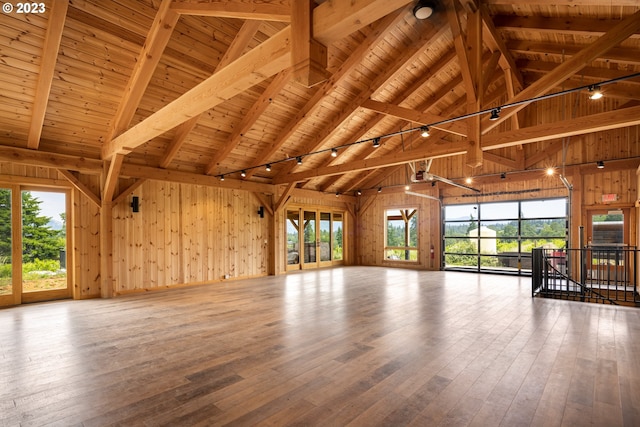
(249, 119)
(81, 186)
(25, 156)
(554, 26)
(147, 61)
(617, 54)
(257, 65)
(613, 37)
(334, 20)
(410, 115)
(130, 189)
(354, 60)
(492, 157)
(264, 202)
(235, 50)
(493, 39)
(51, 46)
(308, 55)
(284, 197)
(247, 9)
(582, 125)
(549, 151)
(111, 179)
(138, 171)
(408, 55)
(572, 3)
(182, 131)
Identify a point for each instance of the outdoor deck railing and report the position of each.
(594, 274)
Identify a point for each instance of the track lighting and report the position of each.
(550, 171)
(424, 131)
(334, 152)
(423, 9)
(337, 194)
(495, 114)
(243, 173)
(358, 193)
(299, 160)
(503, 175)
(268, 168)
(376, 142)
(600, 164)
(379, 189)
(595, 92)
(407, 187)
(468, 180)
(221, 177)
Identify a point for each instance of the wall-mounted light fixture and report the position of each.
(261, 211)
(135, 204)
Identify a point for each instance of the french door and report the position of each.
(33, 244)
(314, 238)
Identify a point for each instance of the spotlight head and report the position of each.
(503, 175)
(376, 142)
(550, 171)
(299, 160)
(243, 174)
(268, 168)
(600, 164)
(595, 92)
(379, 189)
(423, 9)
(334, 152)
(337, 194)
(468, 180)
(495, 114)
(424, 131)
(221, 177)
(358, 193)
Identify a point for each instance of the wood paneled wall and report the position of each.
(187, 234)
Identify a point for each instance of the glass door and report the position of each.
(314, 238)
(608, 240)
(309, 251)
(44, 245)
(6, 245)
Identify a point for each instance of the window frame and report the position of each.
(408, 249)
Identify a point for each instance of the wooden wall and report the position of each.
(187, 234)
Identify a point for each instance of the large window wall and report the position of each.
(499, 236)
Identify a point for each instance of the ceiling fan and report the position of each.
(421, 174)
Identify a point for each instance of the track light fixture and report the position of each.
(600, 164)
(424, 131)
(358, 193)
(243, 173)
(337, 194)
(379, 189)
(299, 160)
(334, 152)
(221, 177)
(503, 175)
(268, 168)
(376, 142)
(595, 92)
(423, 9)
(495, 114)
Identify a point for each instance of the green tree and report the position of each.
(5, 224)
(39, 240)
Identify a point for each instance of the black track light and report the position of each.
(495, 114)
(595, 92)
(243, 173)
(221, 177)
(600, 164)
(334, 152)
(424, 131)
(376, 142)
(268, 168)
(299, 160)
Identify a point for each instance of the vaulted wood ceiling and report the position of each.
(172, 89)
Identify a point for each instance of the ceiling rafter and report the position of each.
(235, 50)
(408, 55)
(248, 9)
(617, 34)
(379, 32)
(50, 49)
(549, 25)
(436, 149)
(147, 61)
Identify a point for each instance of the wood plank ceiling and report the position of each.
(172, 89)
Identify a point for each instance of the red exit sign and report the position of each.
(609, 198)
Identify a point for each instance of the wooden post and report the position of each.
(106, 250)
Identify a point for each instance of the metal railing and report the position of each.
(594, 274)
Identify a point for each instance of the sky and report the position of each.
(53, 204)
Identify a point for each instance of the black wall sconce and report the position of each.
(261, 211)
(135, 204)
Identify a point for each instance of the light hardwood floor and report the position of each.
(346, 346)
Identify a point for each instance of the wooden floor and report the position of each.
(346, 346)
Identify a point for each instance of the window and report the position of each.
(401, 241)
(499, 236)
